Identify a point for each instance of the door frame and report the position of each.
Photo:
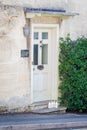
(48, 26)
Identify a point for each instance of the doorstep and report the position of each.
(49, 110)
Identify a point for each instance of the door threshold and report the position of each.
(39, 105)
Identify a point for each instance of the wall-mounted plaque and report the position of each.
(25, 53)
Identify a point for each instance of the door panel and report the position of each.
(40, 65)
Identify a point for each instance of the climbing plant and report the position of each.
(73, 73)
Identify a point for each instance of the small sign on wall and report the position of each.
(25, 53)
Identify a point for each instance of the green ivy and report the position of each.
(73, 73)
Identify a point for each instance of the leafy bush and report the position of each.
(73, 73)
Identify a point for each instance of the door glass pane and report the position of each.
(45, 54)
(44, 35)
(35, 35)
(35, 51)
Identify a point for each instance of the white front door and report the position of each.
(40, 65)
(44, 64)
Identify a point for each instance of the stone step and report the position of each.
(50, 110)
(39, 105)
(42, 108)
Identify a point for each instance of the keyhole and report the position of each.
(41, 41)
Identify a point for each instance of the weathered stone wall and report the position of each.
(76, 26)
(14, 70)
(37, 3)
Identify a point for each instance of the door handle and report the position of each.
(40, 67)
(41, 41)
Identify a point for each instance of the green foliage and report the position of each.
(73, 73)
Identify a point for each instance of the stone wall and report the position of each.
(72, 25)
(14, 70)
(37, 3)
(76, 26)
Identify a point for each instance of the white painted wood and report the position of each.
(48, 76)
(31, 61)
(40, 77)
